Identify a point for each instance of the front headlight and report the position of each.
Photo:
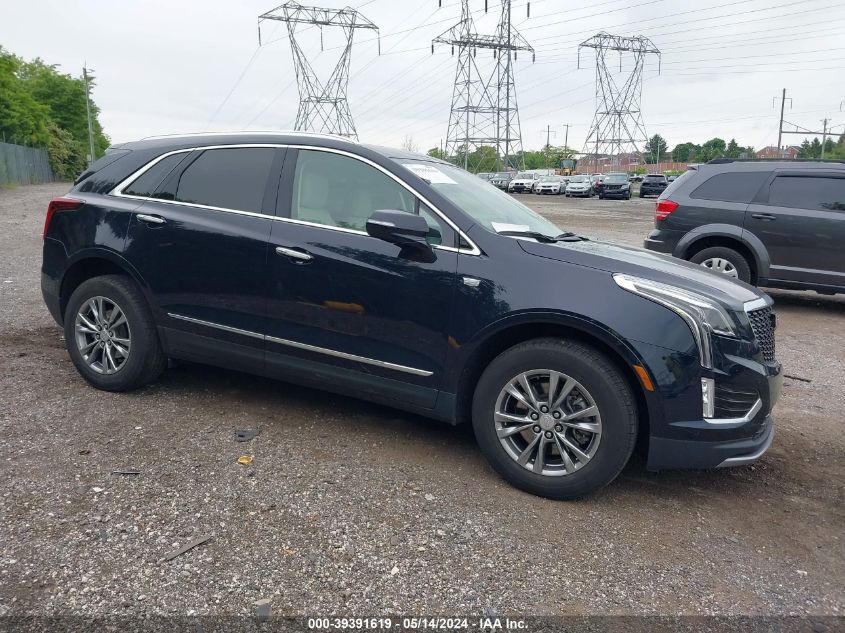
(703, 316)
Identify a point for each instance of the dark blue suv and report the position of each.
(404, 280)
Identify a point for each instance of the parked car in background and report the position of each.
(523, 182)
(501, 179)
(402, 279)
(653, 185)
(775, 223)
(671, 178)
(550, 184)
(485, 176)
(615, 186)
(579, 186)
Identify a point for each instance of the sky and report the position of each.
(181, 66)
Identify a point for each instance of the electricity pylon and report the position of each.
(484, 111)
(617, 126)
(322, 107)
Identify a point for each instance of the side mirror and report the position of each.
(398, 227)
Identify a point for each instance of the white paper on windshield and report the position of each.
(431, 174)
(501, 227)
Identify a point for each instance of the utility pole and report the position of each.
(824, 134)
(780, 125)
(566, 138)
(91, 157)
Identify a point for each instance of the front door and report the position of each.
(801, 221)
(200, 242)
(341, 298)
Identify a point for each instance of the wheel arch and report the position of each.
(92, 263)
(496, 339)
(728, 236)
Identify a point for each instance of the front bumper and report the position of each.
(677, 454)
(615, 193)
(584, 193)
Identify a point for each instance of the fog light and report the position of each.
(708, 397)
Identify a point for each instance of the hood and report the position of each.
(638, 262)
(579, 184)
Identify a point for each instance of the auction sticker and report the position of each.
(430, 173)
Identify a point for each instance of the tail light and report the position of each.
(664, 208)
(58, 205)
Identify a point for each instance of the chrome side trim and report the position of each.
(353, 357)
(118, 190)
(219, 326)
(743, 460)
(305, 346)
(731, 422)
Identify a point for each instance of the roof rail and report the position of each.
(254, 132)
(722, 161)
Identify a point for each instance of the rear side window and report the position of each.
(738, 186)
(227, 178)
(146, 184)
(803, 192)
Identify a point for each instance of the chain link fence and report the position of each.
(21, 165)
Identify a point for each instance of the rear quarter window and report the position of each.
(737, 186)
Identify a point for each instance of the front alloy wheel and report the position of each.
(548, 422)
(555, 417)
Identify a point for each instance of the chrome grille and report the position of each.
(763, 325)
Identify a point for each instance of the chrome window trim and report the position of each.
(118, 191)
(305, 346)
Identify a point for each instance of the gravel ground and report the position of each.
(352, 508)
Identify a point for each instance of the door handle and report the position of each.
(294, 253)
(152, 219)
(763, 216)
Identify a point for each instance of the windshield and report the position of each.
(579, 179)
(503, 174)
(526, 175)
(616, 178)
(550, 179)
(491, 208)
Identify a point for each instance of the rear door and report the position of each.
(800, 218)
(200, 240)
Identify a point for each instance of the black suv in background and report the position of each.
(653, 185)
(401, 279)
(615, 186)
(774, 223)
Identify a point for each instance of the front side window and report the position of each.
(803, 192)
(233, 178)
(339, 191)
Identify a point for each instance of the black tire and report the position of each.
(146, 360)
(642, 195)
(610, 391)
(736, 259)
(601, 197)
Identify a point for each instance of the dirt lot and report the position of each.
(351, 508)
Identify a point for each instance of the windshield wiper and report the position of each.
(542, 237)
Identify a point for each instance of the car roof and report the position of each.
(180, 141)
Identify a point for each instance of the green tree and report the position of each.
(685, 152)
(733, 150)
(435, 152)
(655, 149)
(42, 107)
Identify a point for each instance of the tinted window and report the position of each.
(738, 186)
(146, 184)
(339, 191)
(802, 192)
(227, 178)
(654, 179)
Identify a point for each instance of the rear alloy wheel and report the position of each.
(724, 260)
(111, 336)
(555, 418)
